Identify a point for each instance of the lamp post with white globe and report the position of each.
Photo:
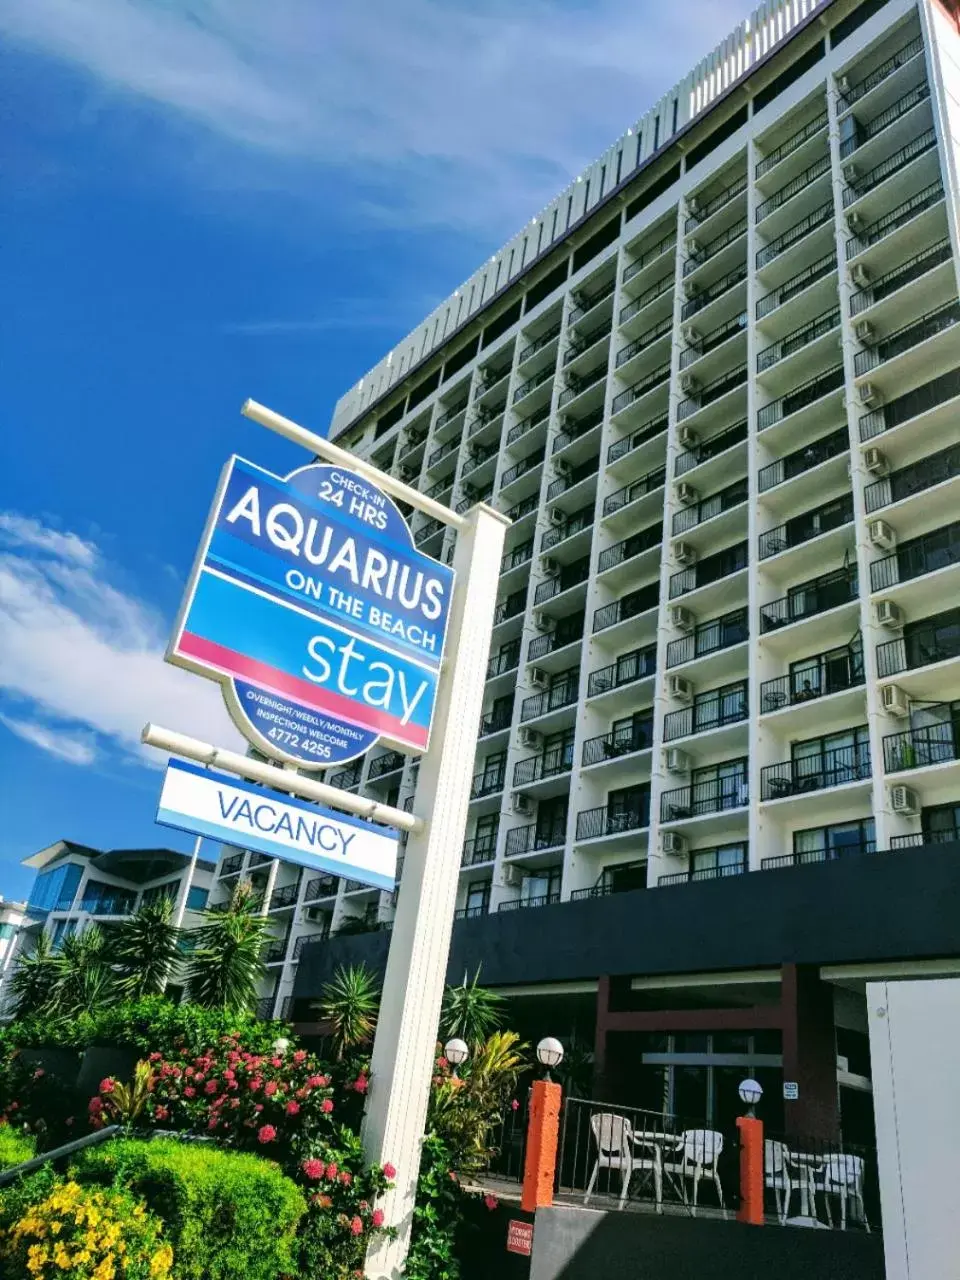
(456, 1053)
(751, 1091)
(549, 1054)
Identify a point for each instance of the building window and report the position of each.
(544, 883)
(829, 672)
(834, 759)
(101, 899)
(719, 786)
(56, 889)
(478, 897)
(6, 931)
(197, 898)
(724, 860)
(821, 844)
(167, 890)
(941, 823)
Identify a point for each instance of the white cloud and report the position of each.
(73, 747)
(439, 112)
(22, 531)
(84, 656)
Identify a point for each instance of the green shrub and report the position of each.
(155, 1024)
(227, 1214)
(15, 1147)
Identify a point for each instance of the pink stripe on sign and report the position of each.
(336, 705)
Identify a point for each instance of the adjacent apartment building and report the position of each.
(716, 387)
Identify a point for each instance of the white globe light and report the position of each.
(550, 1052)
(456, 1052)
(751, 1091)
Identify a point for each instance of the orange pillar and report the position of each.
(540, 1164)
(751, 1170)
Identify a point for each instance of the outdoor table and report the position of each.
(808, 1165)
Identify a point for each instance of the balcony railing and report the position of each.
(571, 575)
(607, 821)
(713, 391)
(546, 764)
(449, 414)
(793, 187)
(535, 837)
(657, 251)
(809, 598)
(659, 377)
(714, 246)
(521, 468)
(638, 664)
(734, 495)
(939, 835)
(880, 172)
(791, 144)
(479, 849)
(574, 523)
(521, 428)
(698, 799)
(710, 569)
(575, 428)
(521, 904)
(389, 762)
(320, 887)
(568, 631)
(286, 896)
(488, 782)
(578, 383)
(635, 545)
(707, 714)
(818, 677)
(793, 235)
(495, 722)
(531, 384)
(428, 530)
(901, 275)
(649, 431)
(918, 748)
(701, 212)
(929, 552)
(230, 865)
(925, 644)
(621, 878)
(697, 874)
(275, 951)
(645, 340)
(473, 912)
(911, 335)
(717, 444)
(508, 659)
(514, 604)
(438, 455)
(658, 290)
(624, 741)
(518, 556)
(709, 637)
(701, 346)
(879, 74)
(716, 290)
(803, 280)
(441, 486)
(864, 132)
(811, 524)
(803, 459)
(805, 857)
(630, 606)
(581, 342)
(807, 393)
(894, 220)
(479, 454)
(815, 773)
(538, 344)
(305, 940)
(905, 482)
(767, 357)
(630, 493)
(585, 302)
(349, 777)
(572, 477)
(910, 405)
(523, 508)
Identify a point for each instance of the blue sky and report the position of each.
(209, 201)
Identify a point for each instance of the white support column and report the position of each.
(184, 892)
(416, 967)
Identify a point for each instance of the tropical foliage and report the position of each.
(33, 981)
(225, 964)
(349, 1005)
(144, 950)
(470, 1011)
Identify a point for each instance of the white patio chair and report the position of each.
(777, 1175)
(843, 1176)
(615, 1144)
(699, 1150)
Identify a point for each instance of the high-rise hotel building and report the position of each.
(715, 385)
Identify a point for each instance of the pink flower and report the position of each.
(210, 1086)
(312, 1169)
(212, 1122)
(95, 1107)
(266, 1133)
(491, 1202)
(331, 1172)
(108, 1085)
(39, 1073)
(389, 1172)
(346, 1178)
(515, 1105)
(300, 1056)
(255, 1084)
(378, 1217)
(276, 1062)
(292, 1108)
(361, 1084)
(189, 1091)
(229, 1075)
(161, 1113)
(270, 1088)
(155, 1056)
(258, 1108)
(326, 1106)
(356, 1226)
(442, 1063)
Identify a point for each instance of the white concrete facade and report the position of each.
(725, 429)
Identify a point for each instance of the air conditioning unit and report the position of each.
(565, 421)
(676, 761)
(875, 461)
(683, 619)
(866, 333)
(687, 437)
(694, 250)
(521, 804)
(889, 615)
(894, 701)
(539, 678)
(904, 800)
(407, 474)
(687, 494)
(563, 469)
(693, 205)
(673, 843)
(550, 566)
(680, 688)
(854, 221)
(684, 553)
(576, 298)
(869, 395)
(512, 876)
(860, 275)
(530, 738)
(881, 535)
(556, 518)
(542, 621)
(843, 84)
(692, 337)
(689, 385)
(851, 173)
(690, 289)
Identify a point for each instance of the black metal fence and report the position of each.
(820, 1183)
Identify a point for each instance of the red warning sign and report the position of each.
(520, 1237)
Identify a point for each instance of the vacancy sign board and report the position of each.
(311, 605)
(206, 802)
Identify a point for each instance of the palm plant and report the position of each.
(34, 980)
(470, 1011)
(84, 978)
(226, 956)
(350, 1003)
(466, 1111)
(145, 950)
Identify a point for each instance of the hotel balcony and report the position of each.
(585, 303)
(727, 499)
(927, 265)
(707, 572)
(348, 778)
(806, 293)
(633, 275)
(701, 799)
(477, 457)
(927, 409)
(823, 853)
(630, 359)
(922, 748)
(623, 500)
(794, 356)
(641, 392)
(638, 664)
(911, 350)
(787, 253)
(385, 764)
(578, 437)
(693, 409)
(523, 904)
(629, 447)
(703, 210)
(505, 660)
(584, 342)
(569, 576)
(572, 478)
(903, 228)
(808, 599)
(445, 451)
(708, 259)
(798, 197)
(512, 606)
(803, 461)
(628, 607)
(805, 528)
(795, 697)
(563, 692)
(555, 762)
(715, 870)
(712, 710)
(622, 877)
(605, 820)
(885, 130)
(868, 191)
(479, 850)
(623, 555)
(722, 449)
(802, 402)
(285, 896)
(906, 482)
(549, 649)
(837, 768)
(925, 643)
(918, 574)
(562, 534)
(488, 782)
(494, 722)
(702, 301)
(718, 343)
(535, 837)
(529, 467)
(579, 384)
(715, 645)
(529, 425)
(799, 145)
(230, 866)
(627, 740)
(516, 558)
(320, 887)
(532, 384)
(539, 346)
(646, 308)
(889, 71)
